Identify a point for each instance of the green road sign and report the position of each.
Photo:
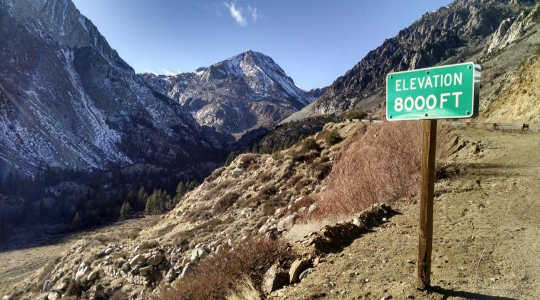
(433, 93)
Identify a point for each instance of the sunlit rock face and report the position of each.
(68, 100)
(463, 30)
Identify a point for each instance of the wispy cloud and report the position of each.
(254, 13)
(236, 13)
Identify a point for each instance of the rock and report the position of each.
(171, 275)
(138, 260)
(53, 295)
(97, 292)
(186, 270)
(61, 285)
(47, 284)
(145, 271)
(197, 254)
(218, 249)
(274, 279)
(287, 222)
(146, 245)
(237, 172)
(312, 208)
(155, 259)
(92, 276)
(81, 271)
(125, 267)
(304, 274)
(297, 267)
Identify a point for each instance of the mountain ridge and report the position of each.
(455, 33)
(244, 92)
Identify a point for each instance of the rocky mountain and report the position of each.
(244, 92)
(67, 100)
(464, 30)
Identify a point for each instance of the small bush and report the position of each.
(214, 276)
(225, 202)
(268, 190)
(332, 137)
(310, 144)
(243, 290)
(355, 114)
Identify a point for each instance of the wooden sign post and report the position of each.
(430, 94)
(429, 145)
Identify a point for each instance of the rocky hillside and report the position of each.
(255, 195)
(244, 92)
(465, 30)
(67, 100)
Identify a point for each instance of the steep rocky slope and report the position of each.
(257, 194)
(68, 100)
(244, 92)
(465, 30)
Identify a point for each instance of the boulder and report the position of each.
(287, 222)
(187, 269)
(53, 295)
(92, 276)
(137, 260)
(171, 275)
(155, 259)
(274, 279)
(81, 271)
(197, 254)
(146, 245)
(145, 271)
(297, 267)
(61, 285)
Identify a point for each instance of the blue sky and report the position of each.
(314, 41)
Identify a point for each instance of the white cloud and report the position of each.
(254, 13)
(236, 13)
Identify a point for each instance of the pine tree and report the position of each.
(76, 222)
(141, 199)
(125, 211)
(158, 202)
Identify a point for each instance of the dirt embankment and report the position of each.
(486, 229)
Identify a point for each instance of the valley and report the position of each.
(231, 182)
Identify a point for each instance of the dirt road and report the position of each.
(486, 233)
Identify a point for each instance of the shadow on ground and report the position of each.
(446, 293)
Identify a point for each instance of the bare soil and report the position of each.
(486, 234)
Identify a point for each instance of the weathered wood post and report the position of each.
(429, 145)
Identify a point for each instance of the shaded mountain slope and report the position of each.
(68, 100)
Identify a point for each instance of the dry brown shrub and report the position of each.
(382, 166)
(216, 275)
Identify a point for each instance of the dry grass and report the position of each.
(216, 275)
(383, 166)
(244, 290)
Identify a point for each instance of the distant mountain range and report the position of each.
(69, 101)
